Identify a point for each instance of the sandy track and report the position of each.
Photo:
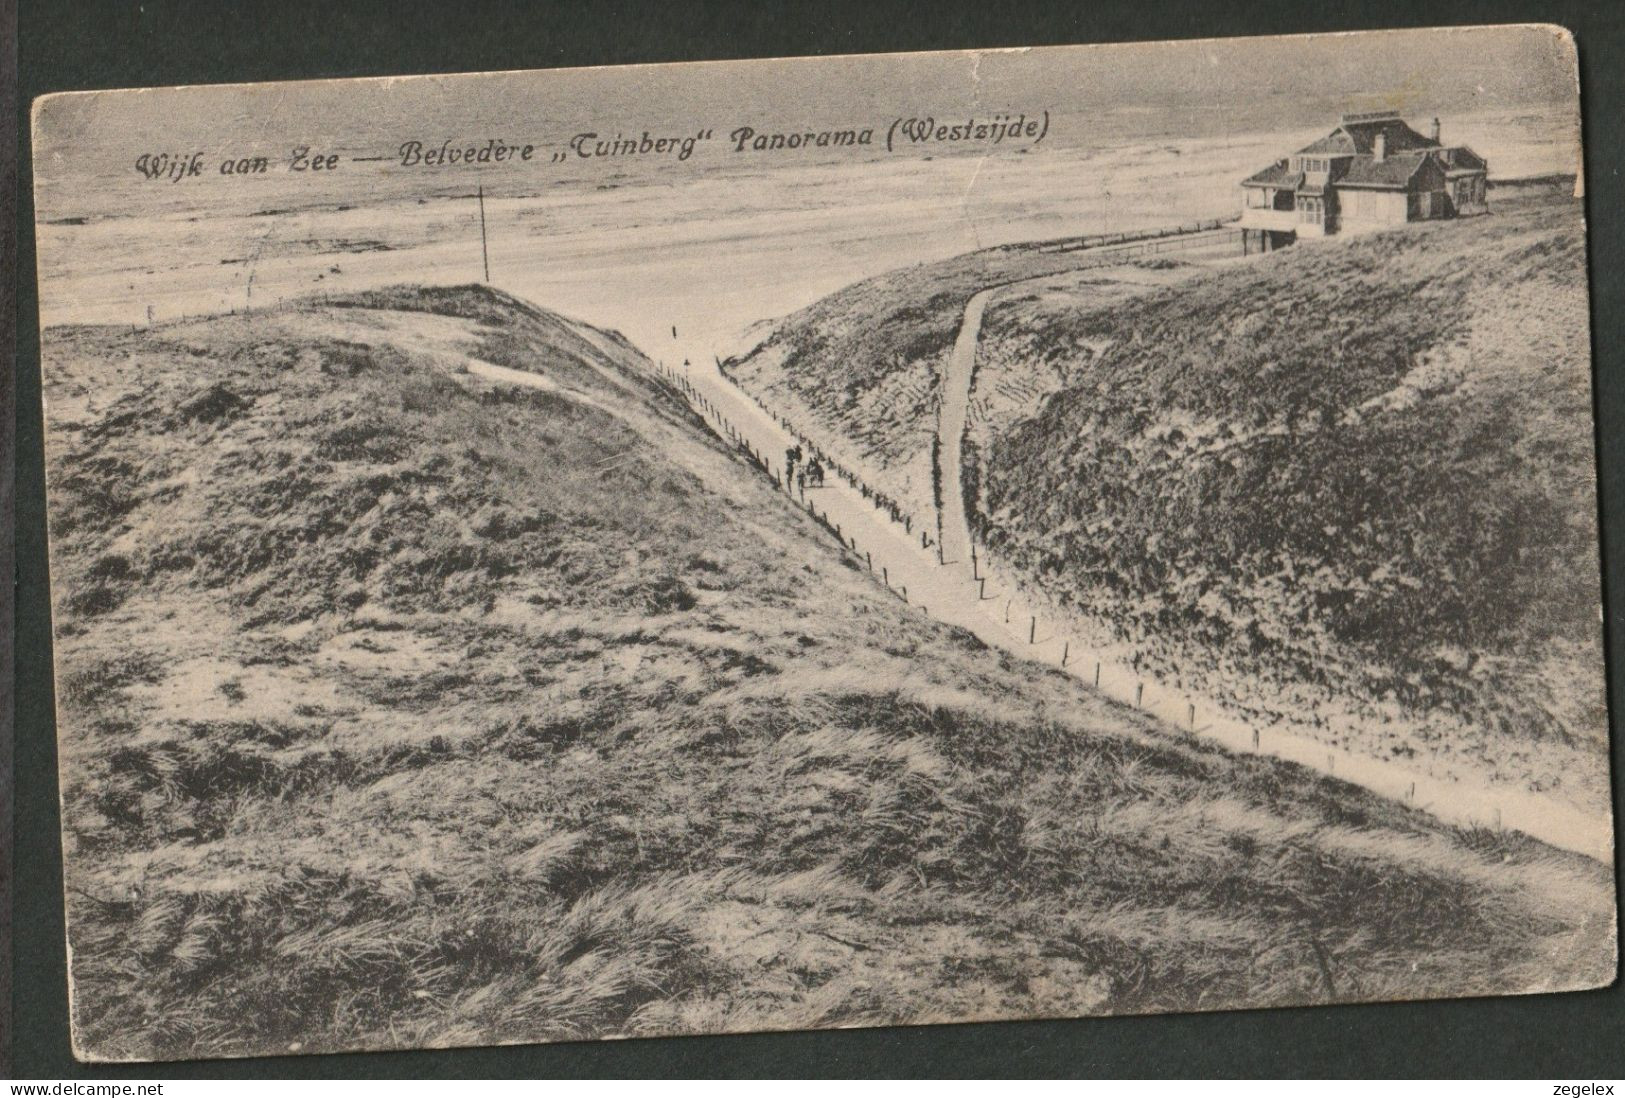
(997, 614)
(955, 409)
(1466, 802)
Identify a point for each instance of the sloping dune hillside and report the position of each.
(401, 703)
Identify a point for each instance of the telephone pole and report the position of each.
(485, 253)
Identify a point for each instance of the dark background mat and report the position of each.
(65, 45)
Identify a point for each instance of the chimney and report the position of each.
(1379, 146)
(1434, 132)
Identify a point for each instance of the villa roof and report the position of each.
(1394, 170)
(1276, 175)
(1459, 158)
(1336, 143)
(1357, 137)
(1351, 148)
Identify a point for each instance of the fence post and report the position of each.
(1255, 739)
(1097, 673)
(1139, 694)
(1032, 630)
(1066, 650)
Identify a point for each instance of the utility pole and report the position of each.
(485, 253)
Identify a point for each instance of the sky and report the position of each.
(1219, 85)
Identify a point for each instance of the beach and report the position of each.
(709, 246)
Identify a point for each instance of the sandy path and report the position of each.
(956, 386)
(893, 553)
(998, 615)
(954, 409)
(1459, 801)
(961, 592)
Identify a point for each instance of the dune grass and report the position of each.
(402, 708)
(1349, 486)
(1402, 426)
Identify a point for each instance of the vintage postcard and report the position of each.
(827, 542)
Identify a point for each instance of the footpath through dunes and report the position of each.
(1017, 494)
(861, 369)
(957, 586)
(952, 419)
(428, 674)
